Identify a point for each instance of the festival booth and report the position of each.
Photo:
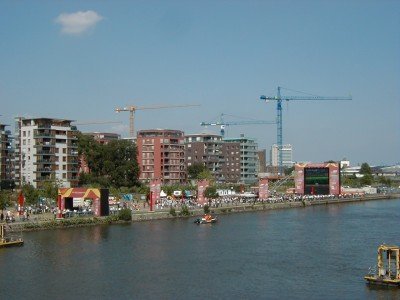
(71, 198)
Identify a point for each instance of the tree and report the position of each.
(365, 169)
(205, 174)
(5, 199)
(367, 179)
(211, 192)
(30, 193)
(111, 165)
(49, 190)
(195, 169)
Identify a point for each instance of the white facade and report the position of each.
(47, 151)
(287, 155)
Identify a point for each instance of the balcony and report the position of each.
(44, 152)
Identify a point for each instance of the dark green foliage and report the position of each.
(211, 192)
(367, 179)
(125, 214)
(365, 169)
(7, 184)
(31, 194)
(195, 169)
(111, 165)
(5, 199)
(206, 209)
(184, 211)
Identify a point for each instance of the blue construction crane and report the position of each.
(223, 123)
(278, 98)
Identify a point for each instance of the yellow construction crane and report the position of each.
(97, 122)
(133, 108)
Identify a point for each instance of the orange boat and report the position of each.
(206, 219)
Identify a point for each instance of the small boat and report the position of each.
(388, 267)
(9, 239)
(206, 219)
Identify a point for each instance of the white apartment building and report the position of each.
(45, 150)
(287, 155)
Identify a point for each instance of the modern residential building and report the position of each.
(231, 165)
(161, 155)
(45, 150)
(206, 149)
(248, 158)
(5, 154)
(103, 137)
(287, 155)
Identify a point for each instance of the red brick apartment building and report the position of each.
(161, 154)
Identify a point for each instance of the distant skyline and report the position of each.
(80, 60)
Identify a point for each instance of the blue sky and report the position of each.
(220, 54)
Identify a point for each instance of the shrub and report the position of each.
(125, 214)
(172, 211)
(206, 209)
(185, 211)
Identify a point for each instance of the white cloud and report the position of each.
(79, 22)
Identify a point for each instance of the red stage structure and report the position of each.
(99, 198)
(201, 188)
(263, 188)
(155, 190)
(317, 178)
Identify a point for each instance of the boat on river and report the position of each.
(388, 267)
(206, 219)
(8, 238)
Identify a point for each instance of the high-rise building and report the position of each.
(248, 158)
(45, 150)
(287, 155)
(231, 165)
(205, 149)
(5, 154)
(161, 155)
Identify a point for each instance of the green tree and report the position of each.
(49, 190)
(195, 169)
(211, 192)
(365, 169)
(367, 179)
(111, 165)
(30, 193)
(205, 174)
(5, 199)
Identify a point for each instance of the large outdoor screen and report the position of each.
(316, 181)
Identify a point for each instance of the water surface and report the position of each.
(319, 252)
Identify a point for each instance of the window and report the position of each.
(64, 159)
(64, 150)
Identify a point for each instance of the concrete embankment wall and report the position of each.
(148, 216)
(260, 206)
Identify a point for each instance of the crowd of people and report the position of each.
(232, 200)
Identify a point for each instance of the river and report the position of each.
(317, 252)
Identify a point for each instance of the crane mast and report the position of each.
(223, 123)
(133, 108)
(278, 98)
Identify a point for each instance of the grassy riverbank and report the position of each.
(158, 215)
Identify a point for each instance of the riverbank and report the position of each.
(159, 215)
